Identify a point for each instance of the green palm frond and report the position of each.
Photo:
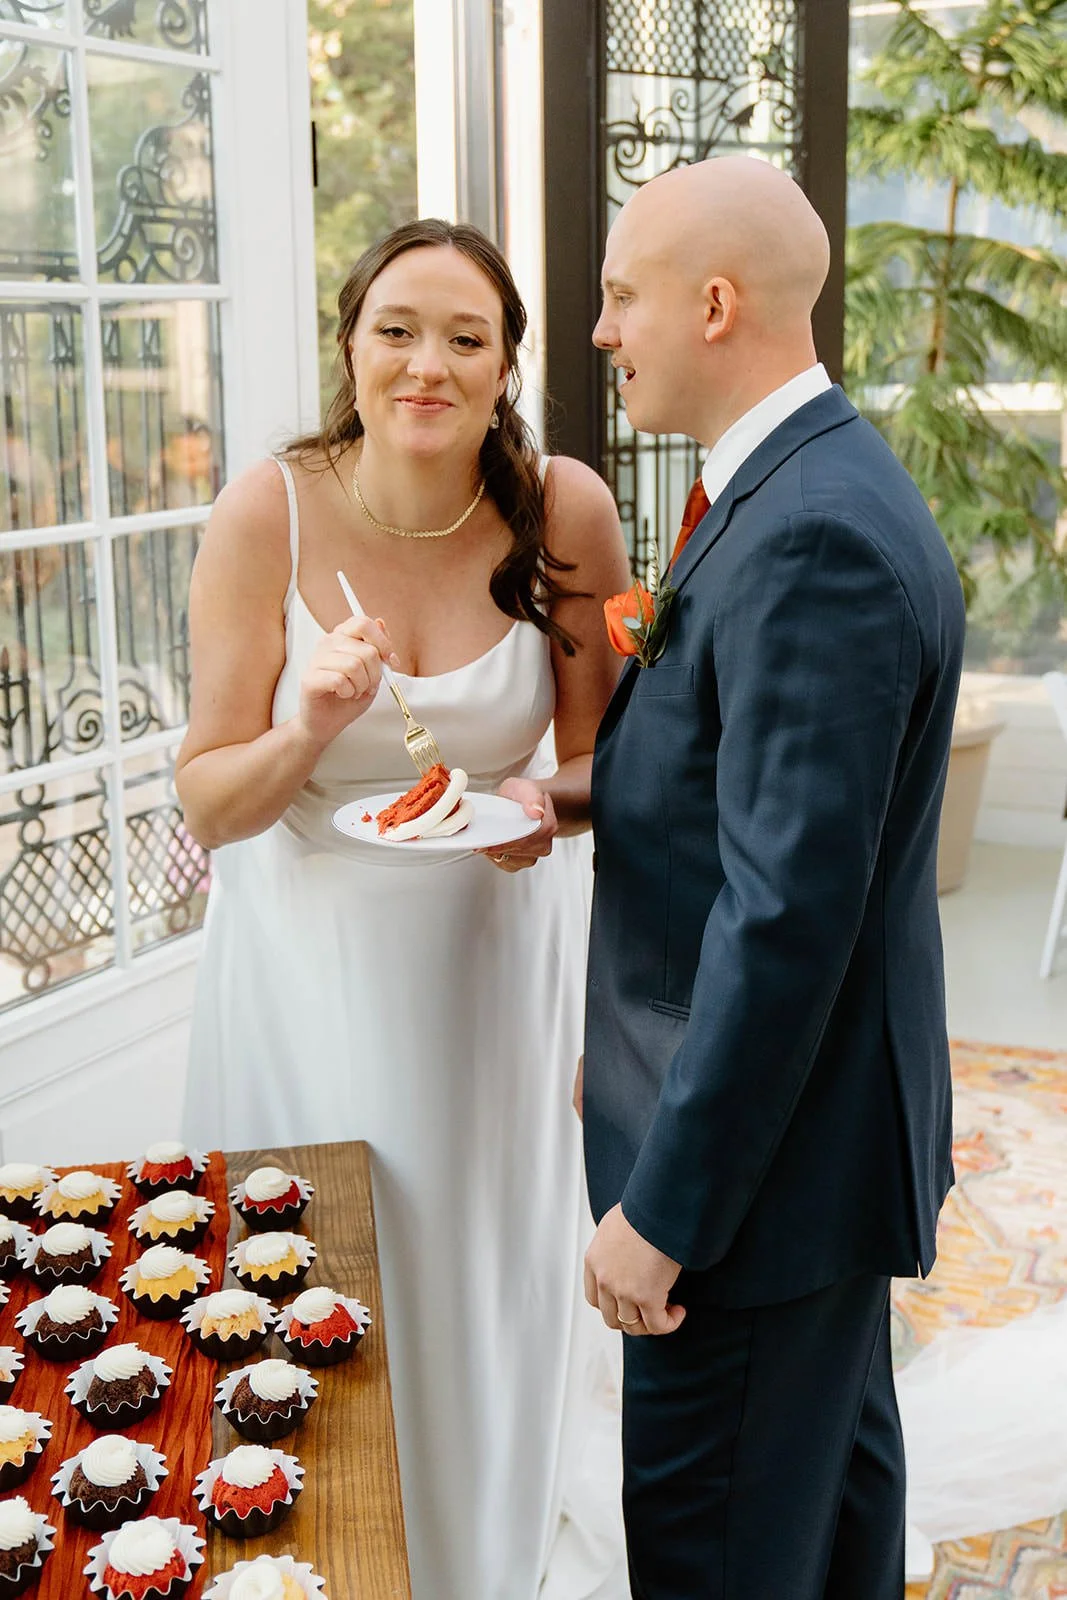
(940, 146)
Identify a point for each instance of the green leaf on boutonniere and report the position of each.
(655, 640)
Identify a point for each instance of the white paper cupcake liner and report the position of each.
(308, 1387)
(255, 1428)
(155, 1470)
(5, 1293)
(12, 1473)
(355, 1308)
(23, 1235)
(77, 1386)
(26, 1204)
(44, 1534)
(108, 1187)
(204, 1210)
(130, 1277)
(314, 1586)
(303, 1248)
(12, 1361)
(28, 1318)
(185, 1537)
(42, 1427)
(100, 1243)
(257, 1522)
(200, 1162)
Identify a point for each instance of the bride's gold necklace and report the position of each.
(413, 533)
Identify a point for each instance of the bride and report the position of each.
(348, 991)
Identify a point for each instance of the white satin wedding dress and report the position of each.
(434, 1010)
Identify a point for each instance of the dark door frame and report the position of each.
(573, 53)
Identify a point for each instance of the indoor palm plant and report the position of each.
(969, 105)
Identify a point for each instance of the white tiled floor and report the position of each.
(994, 928)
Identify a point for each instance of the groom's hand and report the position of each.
(629, 1280)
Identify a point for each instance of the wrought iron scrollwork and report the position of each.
(56, 884)
(30, 98)
(685, 80)
(165, 228)
(180, 24)
(30, 10)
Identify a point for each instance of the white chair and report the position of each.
(1056, 684)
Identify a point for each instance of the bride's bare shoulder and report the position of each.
(247, 532)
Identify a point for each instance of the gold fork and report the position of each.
(419, 742)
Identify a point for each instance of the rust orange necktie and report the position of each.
(696, 508)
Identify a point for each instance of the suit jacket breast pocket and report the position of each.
(665, 680)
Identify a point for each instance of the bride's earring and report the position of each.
(494, 420)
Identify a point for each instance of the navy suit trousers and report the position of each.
(763, 1452)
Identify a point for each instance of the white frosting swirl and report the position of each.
(314, 1305)
(247, 1467)
(174, 1206)
(274, 1380)
(68, 1304)
(119, 1362)
(165, 1152)
(109, 1460)
(162, 1261)
(14, 1424)
(141, 1548)
(18, 1523)
(267, 1248)
(65, 1239)
(228, 1302)
(19, 1175)
(267, 1183)
(261, 1583)
(80, 1185)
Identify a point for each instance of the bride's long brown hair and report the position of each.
(528, 575)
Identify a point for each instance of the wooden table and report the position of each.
(348, 1522)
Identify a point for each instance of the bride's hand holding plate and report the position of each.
(343, 676)
(529, 851)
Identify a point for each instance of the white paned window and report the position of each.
(131, 381)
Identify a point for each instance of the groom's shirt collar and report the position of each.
(748, 432)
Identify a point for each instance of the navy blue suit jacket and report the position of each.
(766, 1065)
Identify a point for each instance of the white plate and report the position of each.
(496, 820)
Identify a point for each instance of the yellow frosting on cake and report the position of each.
(290, 1262)
(177, 1283)
(15, 1450)
(291, 1590)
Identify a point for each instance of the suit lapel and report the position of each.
(827, 411)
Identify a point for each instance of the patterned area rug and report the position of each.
(1002, 1253)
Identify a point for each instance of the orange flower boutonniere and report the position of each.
(637, 618)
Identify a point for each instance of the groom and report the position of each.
(766, 1096)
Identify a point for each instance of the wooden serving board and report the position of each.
(348, 1522)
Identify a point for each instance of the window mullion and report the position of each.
(96, 415)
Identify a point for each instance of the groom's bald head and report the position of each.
(718, 265)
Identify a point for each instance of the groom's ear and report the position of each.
(720, 308)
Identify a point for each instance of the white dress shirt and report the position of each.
(748, 432)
